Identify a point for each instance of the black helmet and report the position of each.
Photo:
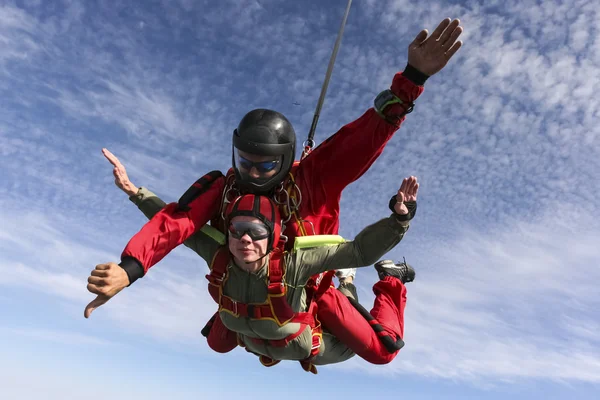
(263, 133)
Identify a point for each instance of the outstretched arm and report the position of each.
(149, 203)
(348, 154)
(369, 245)
(107, 280)
(169, 226)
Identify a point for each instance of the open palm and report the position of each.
(429, 54)
(407, 192)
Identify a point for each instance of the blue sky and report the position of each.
(504, 141)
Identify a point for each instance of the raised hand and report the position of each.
(407, 192)
(121, 179)
(106, 280)
(430, 54)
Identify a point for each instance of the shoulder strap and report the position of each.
(218, 272)
(214, 234)
(276, 289)
(199, 187)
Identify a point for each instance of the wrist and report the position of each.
(403, 223)
(399, 224)
(131, 190)
(133, 268)
(414, 75)
(410, 205)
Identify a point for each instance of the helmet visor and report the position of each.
(255, 168)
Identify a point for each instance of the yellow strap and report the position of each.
(214, 234)
(303, 242)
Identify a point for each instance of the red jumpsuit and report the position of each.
(321, 177)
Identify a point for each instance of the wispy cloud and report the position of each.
(40, 255)
(505, 142)
(68, 338)
(513, 305)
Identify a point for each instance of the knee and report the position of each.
(385, 350)
(221, 346)
(221, 339)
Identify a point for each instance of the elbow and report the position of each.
(368, 258)
(374, 251)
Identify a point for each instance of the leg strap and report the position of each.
(391, 345)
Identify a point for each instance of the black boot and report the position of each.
(402, 271)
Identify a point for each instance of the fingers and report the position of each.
(400, 197)
(453, 36)
(104, 283)
(97, 302)
(449, 31)
(100, 273)
(111, 158)
(440, 28)
(419, 38)
(452, 50)
(408, 182)
(97, 281)
(403, 186)
(121, 179)
(408, 190)
(104, 267)
(414, 186)
(96, 289)
(412, 196)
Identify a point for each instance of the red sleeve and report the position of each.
(173, 225)
(349, 153)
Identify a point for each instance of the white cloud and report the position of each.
(505, 142)
(514, 304)
(61, 337)
(39, 253)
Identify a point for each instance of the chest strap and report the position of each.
(276, 307)
(259, 311)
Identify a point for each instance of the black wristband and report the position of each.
(133, 268)
(412, 209)
(414, 75)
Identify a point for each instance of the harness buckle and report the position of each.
(315, 346)
(235, 307)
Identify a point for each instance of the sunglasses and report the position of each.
(256, 230)
(261, 166)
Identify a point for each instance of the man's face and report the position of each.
(257, 168)
(242, 246)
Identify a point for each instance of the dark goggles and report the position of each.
(256, 230)
(261, 166)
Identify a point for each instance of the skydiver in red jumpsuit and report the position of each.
(263, 163)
